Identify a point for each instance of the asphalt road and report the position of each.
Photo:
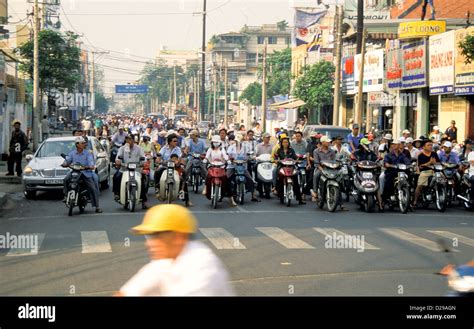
(269, 249)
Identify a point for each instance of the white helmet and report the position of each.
(216, 141)
(448, 144)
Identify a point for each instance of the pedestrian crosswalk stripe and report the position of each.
(34, 241)
(284, 238)
(329, 231)
(222, 239)
(95, 242)
(419, 241)
(450, 235)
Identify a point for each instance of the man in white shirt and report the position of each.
(470, 158)
(178, 266)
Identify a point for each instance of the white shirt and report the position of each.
(125, 155)
(470, 158)
(414, 153)
(86, 124)
(195, 272)
(216, 155)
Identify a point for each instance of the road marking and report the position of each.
(242, 209)
(95, 242)
(450, 235)
(284, 238)
(27, 251)
(419, 241)
(329, 231)
(222, 239)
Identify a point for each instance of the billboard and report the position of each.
(373, 70)
(463, 73)
(441, 63)
(348, 83)
(394, 62)
(414, 64)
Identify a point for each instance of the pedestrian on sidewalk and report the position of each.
(44, 128)
(18, 144)
(179, 266)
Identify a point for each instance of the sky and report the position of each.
(133, 31)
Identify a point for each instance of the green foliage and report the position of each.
(282, 25)
(279, 73)
(253, 94)
(59, 60)
(314, 87)
(467, 48)
(101, 103)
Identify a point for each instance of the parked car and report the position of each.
(330, 131)
(44, 172)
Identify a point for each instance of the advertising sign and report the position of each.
(464, 73)
(394, 63)
(414, 64)
(442, 63)
(420, 29)
(373, 70)
(131, 89)
(348, 84)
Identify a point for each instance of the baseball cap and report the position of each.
(355, 126)
(406, 131)
(396, 141)
(448, 144)
(325, 139)
(409, 140)
(388, 137)
(266, 135)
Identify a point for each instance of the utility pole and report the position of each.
(198, 101)
(264, 89)
(360, 98)
(214, 85)
(203, 61)
(226, 79)
(92, 86)
(169, 102)
(337, 80)
(174, 93)
(36, 100)
(360, 24)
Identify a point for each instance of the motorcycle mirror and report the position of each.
(63, 155)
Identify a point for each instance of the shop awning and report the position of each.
(289, 104)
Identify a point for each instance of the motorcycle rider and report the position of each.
(299, 145)
(323, 153)
(470, 158)
(217, 153)
(119, 137)
(466, 149)
(195, 145)
(413, 150)
(446, 155)
(391, 161)
(130, 152)
(85, 158)
(223, 138)
(354, 138)
(286, 152)
(264, 147)
(165, 155)
(341, 152)
(364, 153)
(426, 159)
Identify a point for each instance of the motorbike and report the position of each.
(114, 151)
(401, 196)
(366, 184)
(436, 189)
(285, 175)
(329, 190)
(146, 171)
(460, 277)
(195, 178)
(450, 172)
(465, 187)
(239, 180)
(130, 186)
(301, 164)
(169, 184)
(105, 144)
(264, 175)
(216, 173)
(77, 194)
(347, 179)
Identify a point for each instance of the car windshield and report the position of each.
(56, 147)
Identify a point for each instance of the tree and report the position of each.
(467, 48)
(59, 62)
(282, 25)
(279, 75)
(253, 94)
(101, 103)
(315, 86)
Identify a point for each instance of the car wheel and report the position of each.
(30, 195)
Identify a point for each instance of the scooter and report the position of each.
(436, 189)
(301, 164)
(264, 175)
(216, 173)
(450, 173)
(239, 180)
(146, 171)
(330, 185)
(401, 196)
(169, 184)
(366, 184)
(285, 175)
(77, 194)
(130, 186)
(196, 179)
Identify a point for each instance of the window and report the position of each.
(288, 40)
(260, 40)
(252, 58)
(272, 40)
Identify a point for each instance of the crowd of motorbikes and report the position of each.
(340, 181)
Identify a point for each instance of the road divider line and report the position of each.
(35, 240)
(284, 238)
(412, 238)
(95, 242)
(451, 235)
(330, 232)
(222, 239)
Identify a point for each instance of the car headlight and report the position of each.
(28, 171)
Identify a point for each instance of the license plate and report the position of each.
(53, 181)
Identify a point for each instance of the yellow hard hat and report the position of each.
(167, 217)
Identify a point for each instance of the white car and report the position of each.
(44, 172)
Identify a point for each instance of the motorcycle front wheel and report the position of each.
(288, 191)
(404, 199)
(215, 196)
(440, 198)
(133, 199)
(332, 197)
